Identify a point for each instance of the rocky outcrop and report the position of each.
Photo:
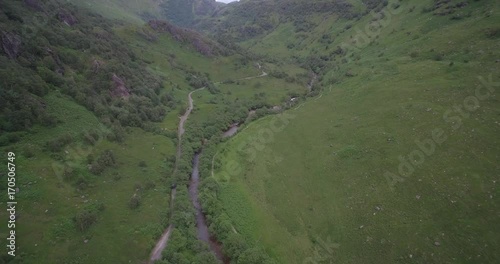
(446, 7)
(66, 17)
(119, 89)
(164, 26)
(59, 65)
(96, 65)
(204, 7)
(147, 34)
(33, 4)
(195, 39)
(11, 44)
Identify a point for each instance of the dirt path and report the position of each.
(184, 117)
(162, 243)
(253, 77)
(181, 130)
(263, 74)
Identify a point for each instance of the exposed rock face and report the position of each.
(204, 7)
(11, 44)
(60, 66)
(147, 34)
(34, 4)
(164, 26)
(96, 65)
(201, 44)
(66, 17)
(119, 90)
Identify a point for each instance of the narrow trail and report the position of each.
(263, 74)
(184, 117)
(253, 77)
(181, 130)
(162, 242)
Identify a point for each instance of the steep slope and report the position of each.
(376, 139)
(90, 105)
(183, 13)
(124, 10)
(187, 12)
(394, 160)
(254, 18)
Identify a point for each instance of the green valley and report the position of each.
(260, 131)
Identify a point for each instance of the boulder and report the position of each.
(11, 44)
(96, 65)
(119, 89)
(66, 17)
(33, 4)
(60, 66)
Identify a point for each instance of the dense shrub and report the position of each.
(57, 144)
(90, 137)
(58, 59)
(105, 160)
(135, 201)
(86, 217)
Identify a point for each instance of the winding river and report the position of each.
(232, 130)
(162, 242)
(201, 223)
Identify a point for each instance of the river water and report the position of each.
(231, 131)
(201, 222)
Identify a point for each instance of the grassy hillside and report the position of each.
(180, 12)
(329, 185)
(90, 107)
(368, 129)
(130, 11)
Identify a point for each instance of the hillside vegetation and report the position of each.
(90, 106)
(367, 129)
(394, 160)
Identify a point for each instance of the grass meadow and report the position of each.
(48, 196)
(317, 191)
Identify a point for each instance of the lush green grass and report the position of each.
(167, 53)
(53, 200)
(130, 11)
(45, 196)
(60, 106)
(321, 178)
